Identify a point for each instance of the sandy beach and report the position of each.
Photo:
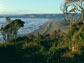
(50, 27)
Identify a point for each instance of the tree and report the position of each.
(78, 5)
(71, 8)
(65, 13)
(8, 19)
(10, 30)
(74, 7)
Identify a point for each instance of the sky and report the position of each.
(30, 6)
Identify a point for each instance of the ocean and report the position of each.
(30, 25)
(32, 21)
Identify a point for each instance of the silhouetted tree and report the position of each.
(76, 5)
(8, 19)
(10, 30)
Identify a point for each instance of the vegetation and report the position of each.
(10, 30)
(56, 48)
(71, 9)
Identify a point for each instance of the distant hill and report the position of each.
(49, 16)
(34, 16)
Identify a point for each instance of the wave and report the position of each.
(29, 26)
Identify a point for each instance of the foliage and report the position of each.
(49, 48)
(10, 30)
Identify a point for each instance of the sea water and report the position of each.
(31, 24)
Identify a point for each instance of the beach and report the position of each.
(50, 27)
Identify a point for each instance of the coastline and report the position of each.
(50, 27)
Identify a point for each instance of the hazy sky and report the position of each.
(30, 6)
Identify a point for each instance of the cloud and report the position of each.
(6, 10)
(2, 8)
(24, 10)
(13, 11)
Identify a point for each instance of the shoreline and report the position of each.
(50, 27)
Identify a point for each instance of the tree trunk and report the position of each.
(83, 17)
